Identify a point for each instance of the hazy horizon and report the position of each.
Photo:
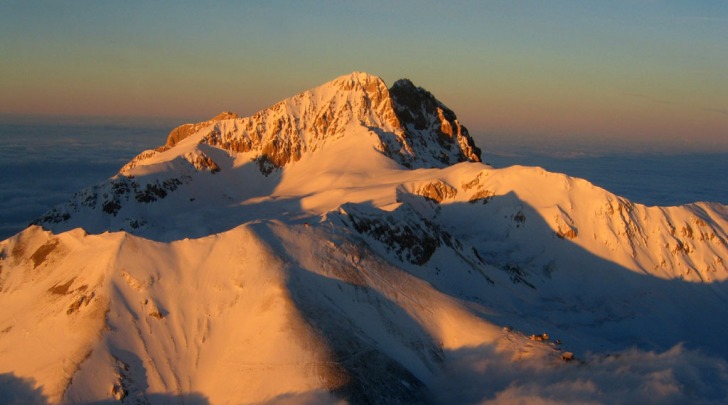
(649, 72)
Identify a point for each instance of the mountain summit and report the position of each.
(347, 244)
(412, 127)
(350, 124)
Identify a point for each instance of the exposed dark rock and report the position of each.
(112, 196)
(52, 217)
(412, 239)
(61, 289)
(84, 300)
(421, 113)
(569, 233)
(437, 191)
(517, 274)
(150, 193)
(519, 217)
(481, 196)
(200, 161)
(112, 207)
(185, 130)
(414, 128)
(42, 253)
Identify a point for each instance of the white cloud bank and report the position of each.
(676, 376)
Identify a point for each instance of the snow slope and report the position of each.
(347, 244)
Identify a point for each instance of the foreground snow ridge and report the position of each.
(348, 245)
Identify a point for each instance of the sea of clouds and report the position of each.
(633, 376)
(43, 163)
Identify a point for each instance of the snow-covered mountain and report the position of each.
(348, 244)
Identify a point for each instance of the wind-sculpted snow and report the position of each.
(296, 255)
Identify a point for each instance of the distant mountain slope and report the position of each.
(347, 244)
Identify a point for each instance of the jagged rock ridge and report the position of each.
(405, 123)
(414, 128)
(185, 130)
(428, 122)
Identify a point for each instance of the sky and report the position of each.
(647, 72)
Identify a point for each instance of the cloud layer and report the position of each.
(676, 376)
(43, 164)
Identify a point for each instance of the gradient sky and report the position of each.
(650, 71)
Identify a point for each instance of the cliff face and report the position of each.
(414, 128)
(432, 126)
(185, 130)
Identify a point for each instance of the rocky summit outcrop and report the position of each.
(185, 130)
(304, 123)
(413, 127)
(355, 114)
(433, 128)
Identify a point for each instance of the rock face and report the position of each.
(437, 191)
(406, 124)
(433, 128)
(185, 130)
(414, 128)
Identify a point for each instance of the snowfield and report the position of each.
(347, 245)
